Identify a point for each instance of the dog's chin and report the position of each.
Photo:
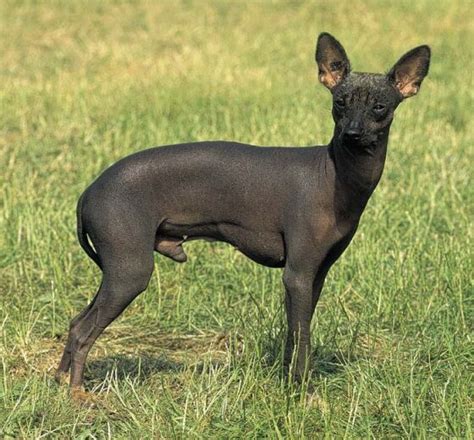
(356, 144)
(364, 144)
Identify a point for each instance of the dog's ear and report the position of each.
(332, 61)
(408, 73)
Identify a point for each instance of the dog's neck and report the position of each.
(358, 169)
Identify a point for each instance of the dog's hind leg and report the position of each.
(65, 363)
(125, 250)
(124, 278)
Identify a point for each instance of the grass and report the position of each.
(199, 354)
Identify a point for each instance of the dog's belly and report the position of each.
(264, 247)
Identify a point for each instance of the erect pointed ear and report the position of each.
(332, 61)
(408, 73)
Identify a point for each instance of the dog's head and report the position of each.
(364, 103)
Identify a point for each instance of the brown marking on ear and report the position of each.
(406, 87)
(332, 61)
(332, 74)
(408, 73)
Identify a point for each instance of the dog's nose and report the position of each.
(354, 131)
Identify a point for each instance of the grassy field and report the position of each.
(198, 355)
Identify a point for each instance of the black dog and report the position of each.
(295, 208)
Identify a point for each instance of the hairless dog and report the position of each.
(287, 207)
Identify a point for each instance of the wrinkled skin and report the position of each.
(294, 208)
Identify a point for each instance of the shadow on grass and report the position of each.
(139, 367)
(124, 366)
(325, 361)
(329, 363)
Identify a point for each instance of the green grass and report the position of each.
(199, 354)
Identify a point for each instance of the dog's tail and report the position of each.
(82, 235)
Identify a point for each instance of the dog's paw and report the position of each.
(61, 377)
(314, 400)
(83, 398)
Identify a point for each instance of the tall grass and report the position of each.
(199, 354)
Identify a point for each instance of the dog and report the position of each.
(283, 207)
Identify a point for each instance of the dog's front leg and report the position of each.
(303, 279)
(299, 311)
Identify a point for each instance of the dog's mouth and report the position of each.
(360, 142)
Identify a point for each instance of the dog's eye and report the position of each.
(340, 102)
(379, 108)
